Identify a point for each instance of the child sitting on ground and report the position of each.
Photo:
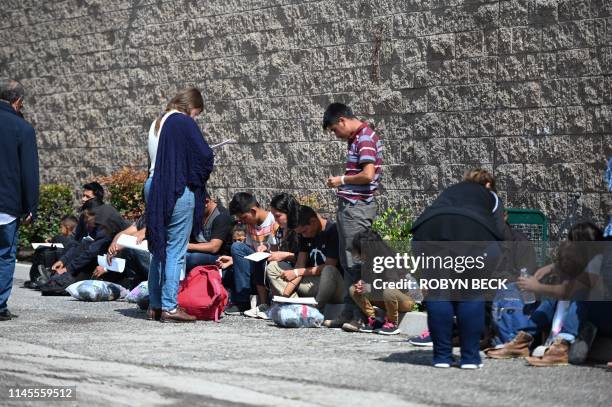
(393, 301)
(574, 264)
(239, 233)
(68, 225)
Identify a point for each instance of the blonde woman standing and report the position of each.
(175, 200)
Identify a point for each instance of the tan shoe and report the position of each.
(516, 348)
(556, 355)
(179, 315)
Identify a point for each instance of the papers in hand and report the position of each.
(257, 256)
(299, 300)
(130, 242)
(117, 264)
(37, 245)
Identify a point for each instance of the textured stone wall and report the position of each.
(521, 87)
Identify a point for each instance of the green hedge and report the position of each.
(56, 201)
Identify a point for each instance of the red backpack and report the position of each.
(201, 293)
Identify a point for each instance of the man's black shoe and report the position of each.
(6, 315)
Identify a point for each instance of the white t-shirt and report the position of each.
(152, 143)
(153, 140)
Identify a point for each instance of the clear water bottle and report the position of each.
(528, 296)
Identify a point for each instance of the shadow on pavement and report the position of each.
(132, 313)
(416, 357)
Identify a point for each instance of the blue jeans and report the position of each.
(147, 188)
(244, 272)
(163, 284)
(542, 318)
(471, 324)
(194, 259)
(9, 237)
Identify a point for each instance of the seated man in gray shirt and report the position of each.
(215, 239)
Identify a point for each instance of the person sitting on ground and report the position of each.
(215, 238)
(44, 256)
(239, 233)
(65, 237)
(137, 262)
(392, 301)
(316, 272)
(80, 262)
(91, 190)
(573, 263)
(284, 207)
(261, 237)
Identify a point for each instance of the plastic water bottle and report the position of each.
(528, 296)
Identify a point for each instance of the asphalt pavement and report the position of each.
(114, 356)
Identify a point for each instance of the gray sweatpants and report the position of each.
(352, 219)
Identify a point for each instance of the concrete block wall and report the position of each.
(521, 87)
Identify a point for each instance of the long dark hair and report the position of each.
(574, 254)
(287, 204)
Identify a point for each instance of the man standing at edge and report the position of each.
(18, 184)
(355, 191)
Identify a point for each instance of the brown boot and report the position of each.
(154, 314)
(556, 355)
(516, 348)
(179, 315)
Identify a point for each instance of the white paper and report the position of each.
(223, 143)
(117, 264)
(37, 245)
(299, 300)
(130, 242)
(257, 256)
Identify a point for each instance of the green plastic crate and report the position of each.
(532, 222)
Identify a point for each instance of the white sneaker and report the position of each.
(261, 312)
(471, 366)
(442, 365)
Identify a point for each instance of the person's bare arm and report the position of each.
(114, 248)
(531, 284)
(211, 247)
(299, 272)
(282, 256)
(543, 271)
(365, 176)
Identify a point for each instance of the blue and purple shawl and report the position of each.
(183, 159)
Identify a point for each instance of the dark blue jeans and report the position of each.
(541, 319)
(246, 273)
(470, 321)
(194, 259)
(9, 237)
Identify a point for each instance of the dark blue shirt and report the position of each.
(18, 164)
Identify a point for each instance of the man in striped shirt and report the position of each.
(355, 191)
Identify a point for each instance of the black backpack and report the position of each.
(44, 256)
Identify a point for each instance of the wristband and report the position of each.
(342, 180)
(296, 273)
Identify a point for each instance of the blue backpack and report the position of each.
(508, 315)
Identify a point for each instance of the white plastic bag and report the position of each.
(96, 290)
(296, 316)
